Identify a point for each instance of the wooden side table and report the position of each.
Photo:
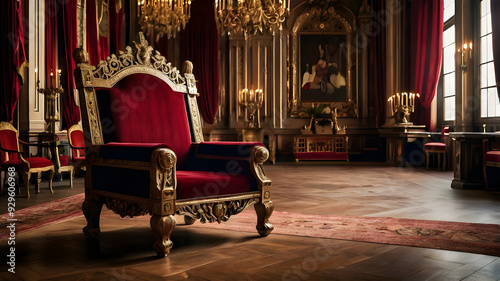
(321, 147)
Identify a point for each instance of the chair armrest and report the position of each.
(228, 157)
(34, 144)
(225, 150)
(8, 150)
(128, 151)
(76, 147)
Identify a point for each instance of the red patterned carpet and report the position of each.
(42, 215)
(455, 236)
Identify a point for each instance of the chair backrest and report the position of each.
(8, 142)
(140, 98)
(75, 137)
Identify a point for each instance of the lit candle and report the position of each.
(51, 78)
(392, 107)
(59, 70)
(399, 100)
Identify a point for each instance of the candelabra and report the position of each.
(163, 17)
(252, 102)
(251, 16)
(466, 54)
(403, 103)
(51, 105)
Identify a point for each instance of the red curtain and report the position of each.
(426, 48)
(377, 65)
(199, 43)
(116, 17)
(12, 57)
(495, 33)
(97, 45)
(50, 43)
(68, 43)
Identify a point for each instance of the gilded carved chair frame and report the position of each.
(162, 204)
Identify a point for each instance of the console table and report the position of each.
(320, 147)
(468, 159)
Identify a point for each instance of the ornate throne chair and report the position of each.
(146, 153)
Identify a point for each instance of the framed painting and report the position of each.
(323, 62)
(323, 67)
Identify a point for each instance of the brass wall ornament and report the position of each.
(251, 16)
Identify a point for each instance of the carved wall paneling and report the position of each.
(250, 67)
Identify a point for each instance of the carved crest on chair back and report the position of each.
(141, 58)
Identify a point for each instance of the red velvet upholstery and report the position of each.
(129, 151)
(35, 162)
(8, 142)
(435, 146)
(226, 149)
(193, 184)
(64, 160)
(492, 156)
(77, 140)
(144, 109)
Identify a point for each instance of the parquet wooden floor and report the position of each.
(123, 252)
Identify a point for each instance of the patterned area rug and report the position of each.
(455, 236)
(41, 215)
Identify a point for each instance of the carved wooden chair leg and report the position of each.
(26, 179)
(51, 177)
(71, 174)
(189, 220)
(92, 211)
(162, 227)
(264, 211)
(37, 181)
(427, 159)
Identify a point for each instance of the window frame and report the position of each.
(440, 89)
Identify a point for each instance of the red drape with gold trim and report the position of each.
(51, 10)
(426, 48)
(199, 43)
(377, 65)
(12, 57)
(68, 43)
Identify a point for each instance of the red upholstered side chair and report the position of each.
(491, 164)
(11, 157)
(142, 125)
(437, 148)
(77, 144)
(77, 160)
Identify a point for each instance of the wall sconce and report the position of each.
(466, 53)
(252, 102)
(403, 103)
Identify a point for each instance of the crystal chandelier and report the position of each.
(163, 17)
(251, 16)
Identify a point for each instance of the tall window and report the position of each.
(490, 106)
(449, 61)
